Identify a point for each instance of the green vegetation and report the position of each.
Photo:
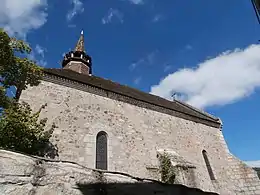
(15, 67)
(20, 129)
(167, 170)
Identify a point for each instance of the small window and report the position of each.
(101, 151)
(210, 171)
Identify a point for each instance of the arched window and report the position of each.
(101, 151)
(205, 156)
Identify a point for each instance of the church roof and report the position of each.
(117, 88)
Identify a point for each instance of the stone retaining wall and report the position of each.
(27, 175)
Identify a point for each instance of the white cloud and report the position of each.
(40, 50)
(112, 13)
(148, 59)
(188, 47)
(72, 25)
(229, 77)
(137, 80)
(136, 2)
(77, 9)
(253, 163)
(167, 67)
(37, 55)
(42, 63)
(157, 18)
(19, 17)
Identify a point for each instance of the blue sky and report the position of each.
(206, 51)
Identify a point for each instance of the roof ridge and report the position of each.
(197, 110)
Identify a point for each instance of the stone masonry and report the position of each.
(135, 136)
(28, 175)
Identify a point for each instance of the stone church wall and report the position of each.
(245, 179)
(135, 136)
(25, 175)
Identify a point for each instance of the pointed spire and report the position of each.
(80, 44)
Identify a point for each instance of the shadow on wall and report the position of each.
(138, 189)
(49, 150)
(257, 169)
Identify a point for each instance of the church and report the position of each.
(104, 125)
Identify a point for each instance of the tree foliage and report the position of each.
(15, 68)
(20, 128)
(6, 52)
(167, 170)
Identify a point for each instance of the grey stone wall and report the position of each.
(244, 178)
(25, 175)
(135, 135)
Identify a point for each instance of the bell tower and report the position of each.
(78, 60)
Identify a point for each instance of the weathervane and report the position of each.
(174, 94)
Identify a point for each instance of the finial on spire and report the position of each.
(82, 32)
(80, 44)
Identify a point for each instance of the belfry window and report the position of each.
(101, 151)
(210, 171)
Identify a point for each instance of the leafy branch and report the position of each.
(167, 170)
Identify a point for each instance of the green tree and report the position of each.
(20, 128)
(167, 170)
(15, 67)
